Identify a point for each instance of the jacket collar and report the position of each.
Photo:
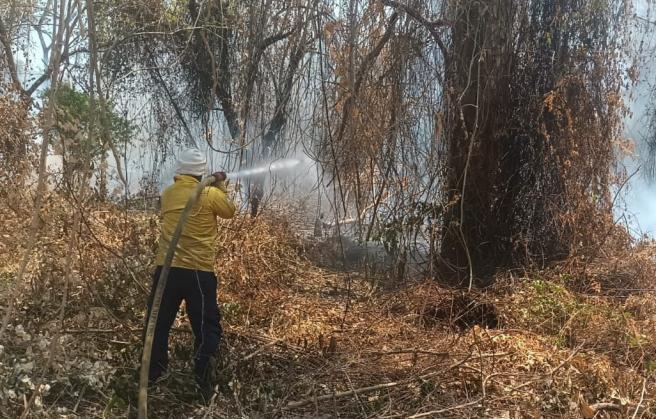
(185, 179)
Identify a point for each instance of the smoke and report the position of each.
(637, 208)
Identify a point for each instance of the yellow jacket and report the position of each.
(196, 246)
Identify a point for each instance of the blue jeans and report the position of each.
(198, 290)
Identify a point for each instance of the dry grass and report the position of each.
(302, 340)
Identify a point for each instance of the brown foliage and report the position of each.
(15, 139)
(291, 335)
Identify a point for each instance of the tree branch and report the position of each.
(46, 75)
(279, 118)
(178, 112)
(374, 53)
(430, 26)
(366, 63)
(38, 82)
(255, 63)
(9, 55)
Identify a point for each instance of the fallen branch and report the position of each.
(342, 394)
(436, 353)
(448, 409)
(409, 351)
(369, 389)
(597, 407)
(261, 348)
(569, 358)
(642, 398)
(78, 331)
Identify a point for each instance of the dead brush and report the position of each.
(257, 252)
(622, 271)
(307, 341)
(607, 326)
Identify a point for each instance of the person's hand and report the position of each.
(220, 176)
(220, 181)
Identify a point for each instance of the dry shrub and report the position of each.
(17, 151)
(620, 330)
(622, 270)
(295, 331)
(256, 253)
(15, 131)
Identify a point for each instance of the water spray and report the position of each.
(276, 166)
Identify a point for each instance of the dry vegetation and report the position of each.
(303, 340)
(485, 134)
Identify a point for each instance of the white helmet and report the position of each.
(191, 162)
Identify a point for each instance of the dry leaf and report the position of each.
(586, 411)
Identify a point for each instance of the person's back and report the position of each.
(191, 277)
(195, 248)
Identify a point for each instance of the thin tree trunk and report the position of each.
(47, 126)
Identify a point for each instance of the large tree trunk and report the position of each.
(530, 128)
(469, 245)
(506, 149)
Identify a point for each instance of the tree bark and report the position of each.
(478, 98)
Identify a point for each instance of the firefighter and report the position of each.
(192, 277)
